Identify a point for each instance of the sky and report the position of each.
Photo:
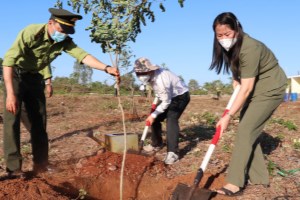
(181, 38)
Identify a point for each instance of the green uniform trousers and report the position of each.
(29, 89)
(247, 157)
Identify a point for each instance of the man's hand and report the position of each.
(11, 99)
(115, 72)
(11, 104)
(49, 90)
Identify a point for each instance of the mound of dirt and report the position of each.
(35, 188)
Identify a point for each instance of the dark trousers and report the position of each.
(172, 114)
(29, 89)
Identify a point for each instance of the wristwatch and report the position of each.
(105, 69)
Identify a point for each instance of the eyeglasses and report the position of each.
(142, 73)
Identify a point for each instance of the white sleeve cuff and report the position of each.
(154, 114)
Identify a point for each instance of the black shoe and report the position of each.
(44, 168)
(39, 168)
(15, 174)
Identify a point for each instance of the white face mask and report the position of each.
(142, 87)
(227, 43)
(144, 78)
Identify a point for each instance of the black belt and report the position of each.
(20, 71)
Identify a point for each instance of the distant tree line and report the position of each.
(209, 87)
(80, 81)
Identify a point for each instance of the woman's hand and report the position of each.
(223, 122)
(150, 119)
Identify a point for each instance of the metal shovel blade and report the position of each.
(185, 192)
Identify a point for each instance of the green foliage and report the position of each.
(226, 148)
(128, 82)
(280, 136)
(181, 2)
(193, 85)
(271, 167)
(101, 88)
(65, 85)
(113, 105)
(114, 23)
(296, 144)
(2, 160)
(109, 105)
(82, 74)
(199, 92)
(210, 118)
(217, 85)
(82, 194)
(26, 149)
(285, 123)
(1, 87)
(207, 118)
(197, 153)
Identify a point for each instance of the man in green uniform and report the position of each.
(35, 47)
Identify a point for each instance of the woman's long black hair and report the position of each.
(220, 56)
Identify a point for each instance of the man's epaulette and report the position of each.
(40, 33)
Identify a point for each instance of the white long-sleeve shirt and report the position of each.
(166, 85)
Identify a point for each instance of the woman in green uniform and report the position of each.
(262, 85)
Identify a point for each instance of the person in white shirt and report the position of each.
(174, 97)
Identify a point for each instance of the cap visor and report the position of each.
(67, 29)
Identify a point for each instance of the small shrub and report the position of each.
(197, 153)
(82, 194)
(210, 118)
(271, 167)
(109, 105)
(26, 149)
(285, 123)
(280, 136)
(226, 148)
(296, 144)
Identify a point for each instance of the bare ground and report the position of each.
(83, 164)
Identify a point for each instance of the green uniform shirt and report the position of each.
(46, 72)
(33, 50)
(256, 60)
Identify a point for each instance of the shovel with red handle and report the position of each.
(141, 144)
(184, 192)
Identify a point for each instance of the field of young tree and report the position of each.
(84, 169)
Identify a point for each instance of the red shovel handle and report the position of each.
(148, 123)
(218, 131)
(216, 136)
(153, 107)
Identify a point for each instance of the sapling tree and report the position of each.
(115, 23)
